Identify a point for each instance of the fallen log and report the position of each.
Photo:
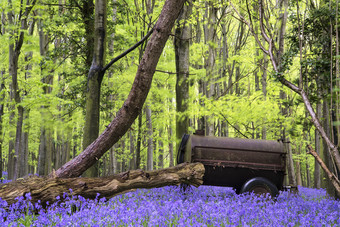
(46, 189)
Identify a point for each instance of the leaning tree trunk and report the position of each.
(331, 176)
(134, 103)
(49, 188)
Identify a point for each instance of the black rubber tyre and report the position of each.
(260, 185)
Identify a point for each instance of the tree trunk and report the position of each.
(13, 71)
(290, 165)
(94, 80)
(326, 182)
(308, 174)
(112, 161)
(11, 134)
(24, 170)
(87, 11)
(160, 151)
(298, 167)
(16, 41)
(337, 72)
(43, 164)
(139, 141)
(2, 97)
(171, 145)
(317, 177)
(210, 35)
(149, 157)
(25, 148)
(48, 188)
(45, 148)
(132, 164)
(182, 44)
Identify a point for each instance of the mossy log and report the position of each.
(48, 188)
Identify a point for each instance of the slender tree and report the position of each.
(182, 44)
(94, 80)
(17, 34)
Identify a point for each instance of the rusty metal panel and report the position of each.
(237, 143)
(239, 158)
(234, 152)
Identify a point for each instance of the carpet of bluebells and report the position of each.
(169, 206)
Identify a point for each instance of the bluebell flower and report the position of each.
(168, 206)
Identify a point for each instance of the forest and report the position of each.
(247, 69)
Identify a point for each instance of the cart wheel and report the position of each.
(260, 185)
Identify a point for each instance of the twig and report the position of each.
(127, 51)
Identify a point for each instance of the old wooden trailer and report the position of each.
(245, 164)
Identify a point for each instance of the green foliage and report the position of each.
(249, 105)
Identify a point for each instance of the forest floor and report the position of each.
(169, 206)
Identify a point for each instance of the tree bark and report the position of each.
(2, 97)
(133, 105)
(171, 146)
(210, 39)
(290, 165)
(298, 167)
(325, 155)
(139, 141)
(182, 45)
(45, 148)
(160, 151)
(87, 12)
(317, 176)
(94, 80)
(132, 163)
(149, 156)
(48, 188)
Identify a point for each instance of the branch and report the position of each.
(236, 129)
(335, 181)
(127, 51)
(231, 85)
(266, 37)
(250, 25)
